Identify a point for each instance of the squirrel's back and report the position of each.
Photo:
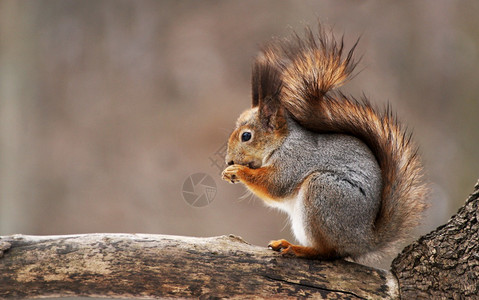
(311, 71)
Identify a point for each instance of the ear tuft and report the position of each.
(265, 81)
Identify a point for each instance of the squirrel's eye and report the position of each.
(246, 136)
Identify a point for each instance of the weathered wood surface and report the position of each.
(157, 266)
(444, 264)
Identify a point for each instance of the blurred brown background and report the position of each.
(106, 107)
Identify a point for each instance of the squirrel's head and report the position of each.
(259, 132)
(261, 129)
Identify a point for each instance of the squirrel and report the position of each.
(347, 174)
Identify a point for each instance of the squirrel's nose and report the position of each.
(231, 163)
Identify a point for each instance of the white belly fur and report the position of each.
(294, 208)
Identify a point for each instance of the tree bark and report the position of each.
(147, 266)
(443, 264)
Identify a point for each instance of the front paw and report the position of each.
(230, 174)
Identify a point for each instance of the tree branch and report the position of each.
(442, 264)
(141, 265)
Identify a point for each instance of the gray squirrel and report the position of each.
(347, 174)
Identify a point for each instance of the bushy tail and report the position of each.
(312, 69)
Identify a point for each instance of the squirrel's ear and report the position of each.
(266, 84)
(270, 113)
(255, 85)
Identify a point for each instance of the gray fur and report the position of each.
(343, 196)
